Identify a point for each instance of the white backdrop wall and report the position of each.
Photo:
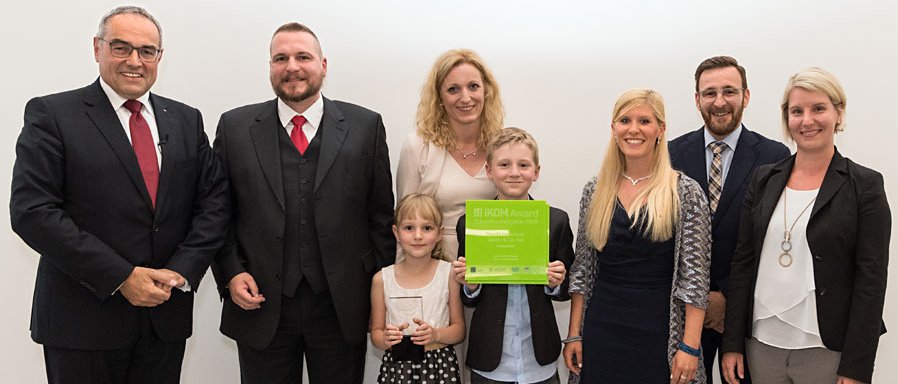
(561, 65)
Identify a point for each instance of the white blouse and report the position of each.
(785, 310)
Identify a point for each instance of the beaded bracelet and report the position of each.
(572, 339)
(696, 352)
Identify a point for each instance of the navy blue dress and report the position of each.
(626, 328)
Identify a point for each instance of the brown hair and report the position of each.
(720, 62)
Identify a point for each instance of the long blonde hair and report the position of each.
(431, 119)
(659, 197)
(425, 207)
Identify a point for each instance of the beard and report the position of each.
(726, 128)
(312, 89)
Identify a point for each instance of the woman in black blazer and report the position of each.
(808, 277)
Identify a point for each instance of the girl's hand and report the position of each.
(573, 356)
(683, 368)
(845, 380)
(393, 334)
(556, 273)
(425, 333)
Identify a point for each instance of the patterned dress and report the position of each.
(691, 262)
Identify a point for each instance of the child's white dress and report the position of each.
(439, 365)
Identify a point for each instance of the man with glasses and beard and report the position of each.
(313, 206)
(722, 156)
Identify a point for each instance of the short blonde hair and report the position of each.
(431, 119)
(659, 197)
(816, 80)
(425, 207)
(512, 135)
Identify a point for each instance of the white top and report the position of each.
(430, 301)
(785, 311)
(429, 169)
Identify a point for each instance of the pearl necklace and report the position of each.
(466, 155)
(785, 258)
(635, 181)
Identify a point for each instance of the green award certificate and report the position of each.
(506, 241)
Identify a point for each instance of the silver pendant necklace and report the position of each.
(635, 181)
(785, 258)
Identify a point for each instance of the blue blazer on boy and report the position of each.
(488, 324)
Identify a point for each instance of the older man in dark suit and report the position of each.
(118, 190)
(722, 156)
(310, 182)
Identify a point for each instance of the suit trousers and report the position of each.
(147, 360)
(791, 366)
(308, 329)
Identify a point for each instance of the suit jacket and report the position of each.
(352, 204)
(687, 154)
(848, 233)
(78, 199)
(487, 327)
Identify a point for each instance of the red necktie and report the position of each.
(297, 136)
(144, 148)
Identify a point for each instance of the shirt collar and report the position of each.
(313, 114)
(731, 140)
(118, 101)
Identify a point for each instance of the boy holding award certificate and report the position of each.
(513, 334)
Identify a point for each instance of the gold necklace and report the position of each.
(785, 258)
(465, 155)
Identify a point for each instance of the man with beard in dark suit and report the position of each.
(311, 185)
(722, 156)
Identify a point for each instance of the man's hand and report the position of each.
(556, 273)
(140, 287)
(714, 315)
(245, 292)
(167, 279)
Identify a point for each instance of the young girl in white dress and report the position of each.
(417, 298)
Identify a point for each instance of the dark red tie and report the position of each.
(142, 141)
(297, 136)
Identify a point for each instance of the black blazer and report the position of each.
(848, 232)
(353, 208)
(488, 324)
(687, 154)
(78, 199)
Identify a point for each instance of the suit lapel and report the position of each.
(770, 195)
(696, 165)
(168, 132)
(832, 182)
(740, 167)
(265, 141)
(334, 133)
(107, 122)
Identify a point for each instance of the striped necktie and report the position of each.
(715, 176)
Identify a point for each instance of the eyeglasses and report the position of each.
(728, 93)
(122, 50)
